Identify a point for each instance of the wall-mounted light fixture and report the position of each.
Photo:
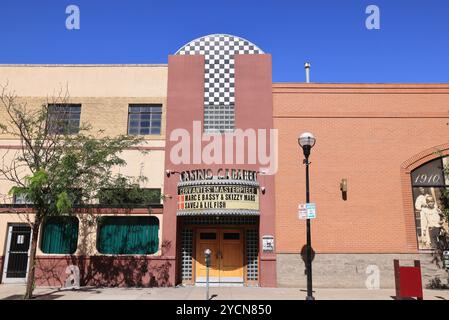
(168, 172)
(344, 189)
(262, 189)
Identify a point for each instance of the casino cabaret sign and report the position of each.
(232, 189)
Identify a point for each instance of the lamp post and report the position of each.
(307, 141)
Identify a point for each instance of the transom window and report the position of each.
(64, 118)
(144, 119)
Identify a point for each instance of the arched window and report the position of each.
(430, 184)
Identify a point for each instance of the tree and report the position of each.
(59, 163)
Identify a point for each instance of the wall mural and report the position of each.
(431, 203)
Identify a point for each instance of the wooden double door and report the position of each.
(226, 258)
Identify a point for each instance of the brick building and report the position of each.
(387, 141)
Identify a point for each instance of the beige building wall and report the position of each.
(87, 235)
(148, 163)
(96, 81)
(104, 92)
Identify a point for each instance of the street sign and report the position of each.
(307, 211)
(268, 243)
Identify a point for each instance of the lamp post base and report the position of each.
(310, 298)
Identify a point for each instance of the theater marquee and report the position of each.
(239, 191)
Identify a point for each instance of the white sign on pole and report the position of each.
(307, 211)
(302, 211)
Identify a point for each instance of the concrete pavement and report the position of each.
(10, 291)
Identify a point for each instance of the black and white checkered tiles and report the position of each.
(219, 51)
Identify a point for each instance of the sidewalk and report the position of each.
(9, 291)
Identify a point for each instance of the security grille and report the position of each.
(252, 253)
(186, 252)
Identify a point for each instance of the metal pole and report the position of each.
(207, 282)
(307, 67)
(309, 239)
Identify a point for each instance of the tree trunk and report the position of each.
(32, 259)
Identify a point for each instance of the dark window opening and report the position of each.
(208, 236)
(138, 197)
(231, 236)
(64, 118)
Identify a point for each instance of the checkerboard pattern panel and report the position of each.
(187, 254)
(219, 86)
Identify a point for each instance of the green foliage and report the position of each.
(124, 193)
(65, 169)
(445, 199)
(63, 203)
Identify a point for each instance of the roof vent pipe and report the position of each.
(307, 67)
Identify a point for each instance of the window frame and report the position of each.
(42, 232)
(66, 128)
(105, 217)
(150, 114)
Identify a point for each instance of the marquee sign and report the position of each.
(210, 197)
(221, 174)
(218, 192)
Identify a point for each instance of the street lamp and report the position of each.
(307, 141)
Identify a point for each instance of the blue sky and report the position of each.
(412, 44)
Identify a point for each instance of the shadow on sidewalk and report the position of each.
(55, 294)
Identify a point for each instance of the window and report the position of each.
(64, 118)
(219, 118)
(129, 197)
(21, 199)
(128, 235)
(60, 235)
(208, 236)
(75, 196)
(430, 184)
(231, 236)
(144, 119)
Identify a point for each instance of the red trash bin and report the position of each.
(408, 280)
